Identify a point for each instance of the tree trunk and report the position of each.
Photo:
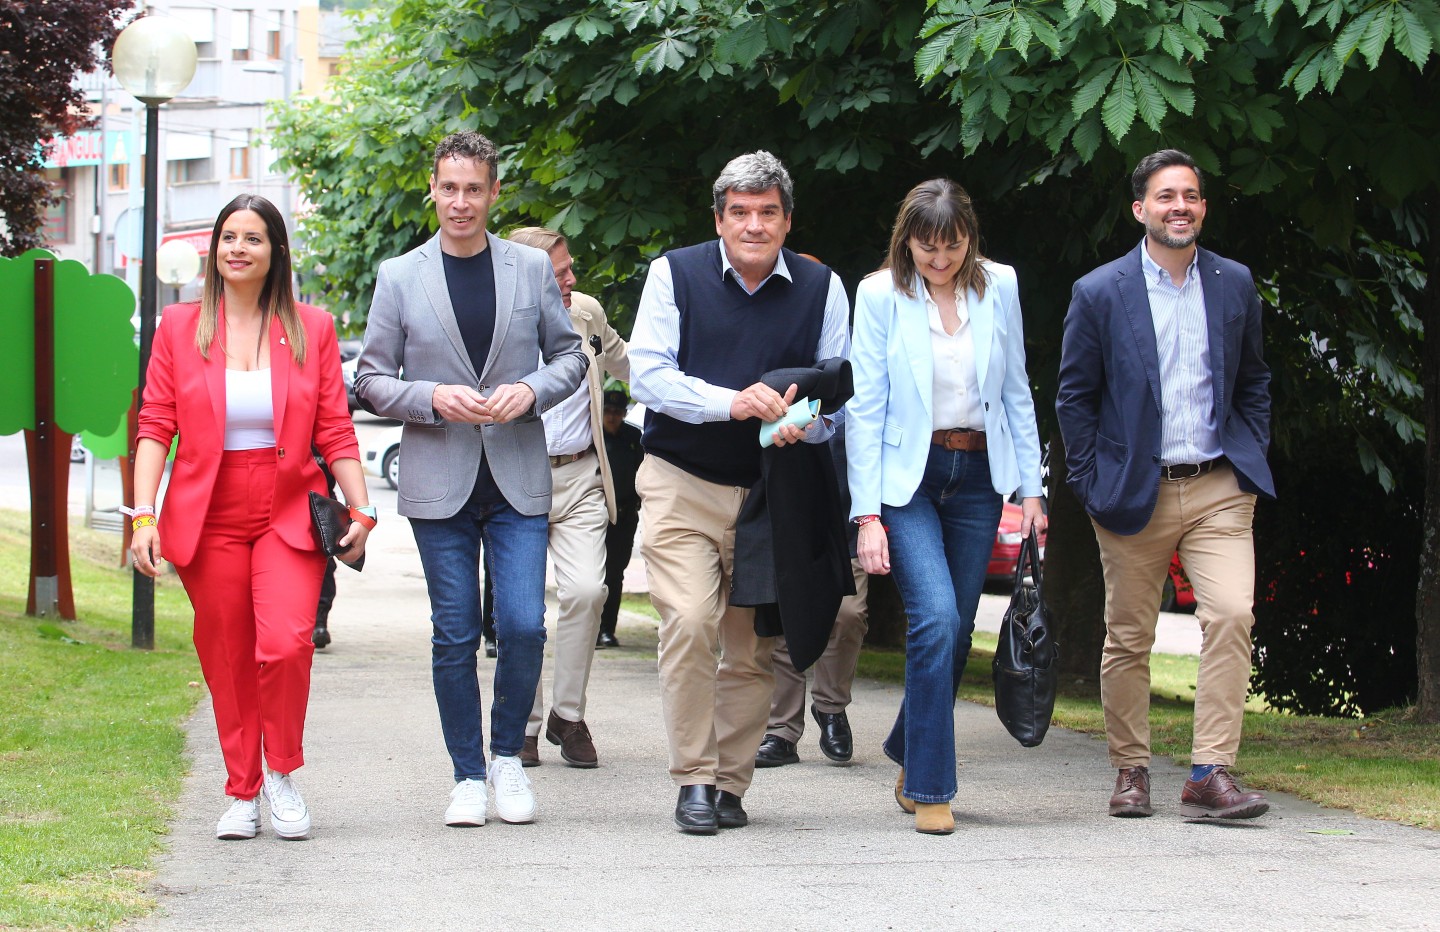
(887, 613)
(1074, 582)
(1427, 599)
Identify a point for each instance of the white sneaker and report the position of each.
(468, 803)
(514, 802)
(289, 816)
(241, 820)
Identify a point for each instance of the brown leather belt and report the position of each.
(565, 459)
(1186, 470)
(959, 438)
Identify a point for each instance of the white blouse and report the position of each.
(249, 410)
(955, 387)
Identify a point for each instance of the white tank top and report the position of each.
(249, 410)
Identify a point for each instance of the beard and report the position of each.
(1162, 235)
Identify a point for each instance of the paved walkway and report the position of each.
(826, 848)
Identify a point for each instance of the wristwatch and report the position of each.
(365, 514)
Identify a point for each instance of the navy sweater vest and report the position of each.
(730, 338)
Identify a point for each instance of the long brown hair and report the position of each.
(276, 297)
(934, 211)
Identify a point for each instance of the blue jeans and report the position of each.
(939, 546)
(515, 556)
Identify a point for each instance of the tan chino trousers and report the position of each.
(834, 671)
(1208, 519)
(715, 678)
(578, 520)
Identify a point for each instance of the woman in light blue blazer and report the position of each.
(941, 429)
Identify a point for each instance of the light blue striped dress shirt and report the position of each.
(1188, 430)
(656, 379)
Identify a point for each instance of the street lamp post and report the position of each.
(154, 59)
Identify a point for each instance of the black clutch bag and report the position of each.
(330, 520)
(1026, 659)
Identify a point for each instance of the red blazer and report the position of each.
(185, 393)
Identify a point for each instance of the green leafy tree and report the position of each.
(614, 116)
(43, 46)
(613, 119)
(1319, 119)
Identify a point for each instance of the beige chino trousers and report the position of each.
(715, 674)
(834, 671)
(1208, 519)
(578, 520)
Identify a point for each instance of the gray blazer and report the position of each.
(413, 344)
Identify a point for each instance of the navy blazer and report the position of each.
(1108, 402)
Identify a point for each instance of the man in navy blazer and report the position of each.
(1164, 406)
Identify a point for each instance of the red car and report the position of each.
(1178, 595)
(1006, 549)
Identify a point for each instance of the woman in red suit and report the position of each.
(249, 379)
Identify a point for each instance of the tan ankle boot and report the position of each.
(905, 802)
(934, 818)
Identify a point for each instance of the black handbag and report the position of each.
(330, 520)
(1026, 658)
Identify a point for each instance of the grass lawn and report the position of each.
(90, 738)
(1382, 766)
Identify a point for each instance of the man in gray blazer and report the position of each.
(455, 331)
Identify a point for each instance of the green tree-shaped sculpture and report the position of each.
(96, 365)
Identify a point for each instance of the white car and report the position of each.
(382, 456)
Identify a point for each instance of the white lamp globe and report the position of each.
(177, 262)
(154, 59)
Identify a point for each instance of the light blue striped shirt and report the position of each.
(1188, 430)
(656, 379)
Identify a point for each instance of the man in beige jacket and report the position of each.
(583, 506)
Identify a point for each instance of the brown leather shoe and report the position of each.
(1132, 793)
(530, 753)
(934, 818)
(1218, 796)
(905, 802)
(576, 748)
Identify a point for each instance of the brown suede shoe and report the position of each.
(905, 802)
(934, 818)
(1132, 793)
(530, 753)
(1218, 796)
(576, 748)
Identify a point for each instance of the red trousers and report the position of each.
(254, 598)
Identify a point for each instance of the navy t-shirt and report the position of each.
(471, 283)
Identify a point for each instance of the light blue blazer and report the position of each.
(889, 422)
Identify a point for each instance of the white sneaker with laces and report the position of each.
(514, 801)
(468, 803)
(241, 820)
(289, 816)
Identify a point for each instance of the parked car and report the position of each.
(347, 371)
(382, 456)
(1006, 549)
(1178, 595)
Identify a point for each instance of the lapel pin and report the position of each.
(282, 341)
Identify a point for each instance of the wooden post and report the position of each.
(50, 591)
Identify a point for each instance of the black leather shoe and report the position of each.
(836, 741)
(606, 640)
(775, 751)
(695, 810)
(729, 813)
(490, 650)
(320, 637)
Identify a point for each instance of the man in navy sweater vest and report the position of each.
(713, 318)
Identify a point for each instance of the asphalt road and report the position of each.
(827, 848)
